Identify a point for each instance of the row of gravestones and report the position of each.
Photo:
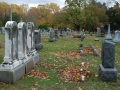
(54, 35)
(109, 36)
(107, 71)
(20, 53)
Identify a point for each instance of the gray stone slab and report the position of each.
(11, 76)
(108, 54)
(36, 58)
(96, 39)
(107, 74)
(29, 65)
(94, 50)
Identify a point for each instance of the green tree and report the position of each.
(114, 16)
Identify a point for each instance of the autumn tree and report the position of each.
(48, 14)
(33, 16)
(4, 11)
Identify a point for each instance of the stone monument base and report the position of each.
(116, 40)
(108, 74)
(29, 65)
(11, 76)
(108, 37)
(36, 58)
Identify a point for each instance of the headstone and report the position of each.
(94, 50)
(31, 43)
(109, 37)
(68, 32)
(30, 36)
(52, 36)
(38, 44)
(22, 42)
(117, 37)
(11, 45)
(82, 35)
(102, 31)
(2, 30)
(107, 72)
(22, 33)
(62, 33)
(98, 34)
(56, 34)
(12, 68)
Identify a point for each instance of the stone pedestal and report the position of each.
(29, 65)
(36, 58)
(11, 76)
(108, 74)
(109, 37)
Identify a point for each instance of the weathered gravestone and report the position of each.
(107, 72)
(52, 36)
(56, 34)
(22, 39)
(38, 44)
(82, 35)
(12, 68)
(31, 43)
(117, 37)
(109, 37)
(3, 30)
(98, 34)
(0, 29)
(102, 31)
(95, 52)
(62, 33)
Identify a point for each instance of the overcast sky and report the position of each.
(34, 3)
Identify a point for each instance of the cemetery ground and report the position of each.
(59, 59)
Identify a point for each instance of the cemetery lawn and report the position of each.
(58, 55)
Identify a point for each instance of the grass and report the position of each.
(54, 82)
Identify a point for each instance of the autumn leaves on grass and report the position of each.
(75, 73)
(70, 73)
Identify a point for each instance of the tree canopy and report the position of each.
(77, 14)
